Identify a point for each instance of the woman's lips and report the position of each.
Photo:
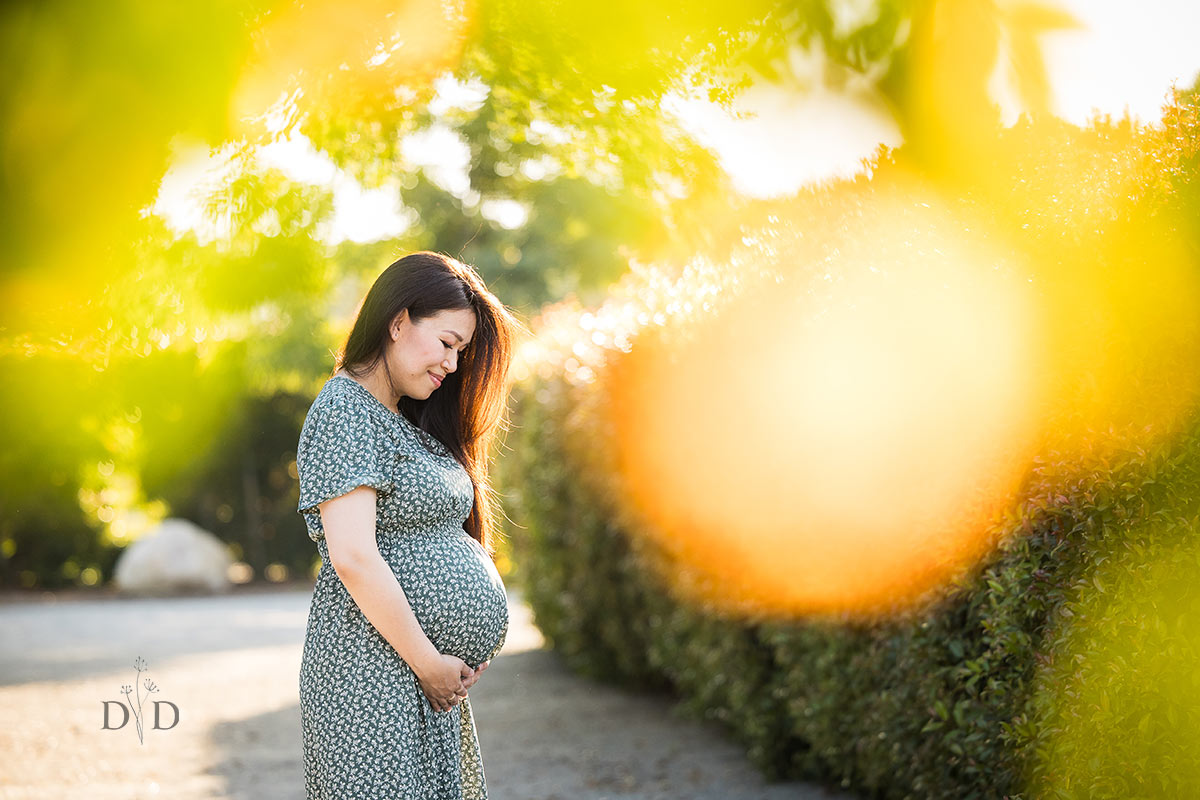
(436, 380)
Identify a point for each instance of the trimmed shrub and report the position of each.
(1062, 665)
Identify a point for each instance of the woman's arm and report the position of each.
(349, 523)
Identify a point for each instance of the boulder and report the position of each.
(177, 556)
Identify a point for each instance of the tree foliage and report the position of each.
(164, 348)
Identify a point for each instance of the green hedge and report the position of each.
(1063, 666)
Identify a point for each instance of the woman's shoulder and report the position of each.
(338, 401)
(346, 408)
(334, 394)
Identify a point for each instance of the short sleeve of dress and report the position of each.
(339, 450)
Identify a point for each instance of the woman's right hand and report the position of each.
(442, 681)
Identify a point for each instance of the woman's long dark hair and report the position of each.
(470, 406)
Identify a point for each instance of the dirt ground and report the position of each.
(229, 664)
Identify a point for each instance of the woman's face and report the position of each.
(424, 352)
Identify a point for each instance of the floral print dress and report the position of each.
(368, 731)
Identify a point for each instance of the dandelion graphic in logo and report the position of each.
(134, 692)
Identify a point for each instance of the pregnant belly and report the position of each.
(455, 593)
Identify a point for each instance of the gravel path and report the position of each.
(229, 664)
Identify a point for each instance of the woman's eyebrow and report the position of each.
(456, 333)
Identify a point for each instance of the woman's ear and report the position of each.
(397, 323)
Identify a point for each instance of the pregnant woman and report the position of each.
(408, 608)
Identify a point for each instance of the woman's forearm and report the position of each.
(373, 586)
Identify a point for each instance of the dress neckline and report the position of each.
(421, 432)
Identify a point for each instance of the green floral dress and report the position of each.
(368, 731)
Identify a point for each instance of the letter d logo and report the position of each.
(124, 712)
(174, 708)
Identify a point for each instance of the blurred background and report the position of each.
(865, 337)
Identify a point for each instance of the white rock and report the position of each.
(175, 556)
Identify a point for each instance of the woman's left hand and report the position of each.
(473, 679)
